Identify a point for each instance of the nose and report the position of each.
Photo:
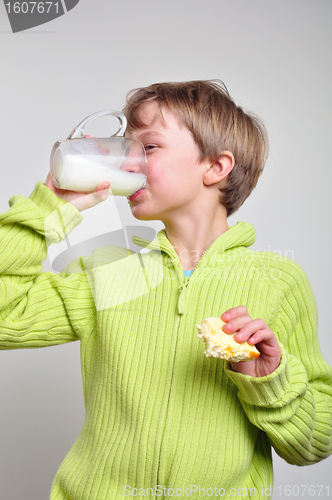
(134, 165)
(135, 160)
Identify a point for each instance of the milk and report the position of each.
(83, 174)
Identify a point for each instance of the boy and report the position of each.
(162, 419)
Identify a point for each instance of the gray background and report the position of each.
(274, 56)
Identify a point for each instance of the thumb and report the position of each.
(92, 199)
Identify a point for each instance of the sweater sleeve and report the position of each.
(38, 308)
(293, 405)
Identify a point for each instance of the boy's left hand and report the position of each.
(254, 331)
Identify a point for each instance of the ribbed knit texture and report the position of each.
(158, 412)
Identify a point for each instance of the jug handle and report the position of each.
(78, 131)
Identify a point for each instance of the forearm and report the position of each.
(294, 412)
(34, 306)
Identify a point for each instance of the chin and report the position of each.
(145, 217)
(140, 215)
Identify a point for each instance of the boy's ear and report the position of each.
(219, 169)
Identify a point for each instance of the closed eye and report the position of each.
(150, 147)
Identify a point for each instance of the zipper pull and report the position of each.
(182, 295)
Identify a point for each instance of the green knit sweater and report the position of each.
(158, 412)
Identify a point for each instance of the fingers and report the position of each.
(245, 327)
(81, 201)
(254, 331)
(265, 334)
(91, 200)
(49, 183)
(248, 330)
(235, 319)
(103, 185)
(234, 312)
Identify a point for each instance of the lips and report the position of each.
(133, 196)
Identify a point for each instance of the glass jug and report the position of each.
(80, 162)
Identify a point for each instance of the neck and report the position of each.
(190, 236)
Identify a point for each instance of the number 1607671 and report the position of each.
(303, 490)
(32, 7)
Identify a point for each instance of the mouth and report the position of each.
(133, 196)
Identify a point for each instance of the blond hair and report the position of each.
(217, 124)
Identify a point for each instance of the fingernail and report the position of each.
(226, 316)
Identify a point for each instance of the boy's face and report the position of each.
(174, 174)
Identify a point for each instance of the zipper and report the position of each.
(183, 280)
(183, 295)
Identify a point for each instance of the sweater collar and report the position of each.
(241, 234)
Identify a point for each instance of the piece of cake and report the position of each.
(222, 345)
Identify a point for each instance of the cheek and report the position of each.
(172, 172)
(157, 173)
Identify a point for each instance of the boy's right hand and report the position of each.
(81, 201)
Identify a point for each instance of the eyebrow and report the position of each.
(150, 133)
